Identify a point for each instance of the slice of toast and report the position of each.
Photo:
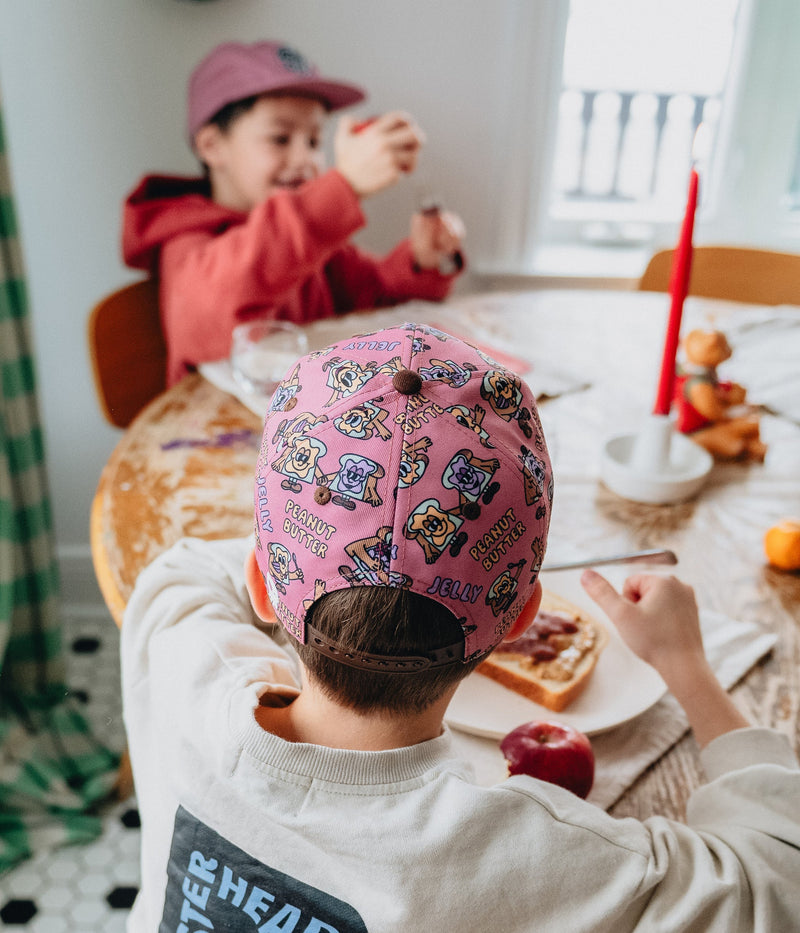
(552, 661)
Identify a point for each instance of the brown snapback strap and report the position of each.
(390, 664)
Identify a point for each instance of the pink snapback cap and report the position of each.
(235, 70)
(403, 458)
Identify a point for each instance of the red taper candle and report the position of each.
(678, 288)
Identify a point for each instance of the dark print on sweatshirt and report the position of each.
(214, 885)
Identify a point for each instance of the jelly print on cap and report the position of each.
(472, 478)
(412, 462)
(534, 472)
(283, 566)
(372, 558)
(447, 371)
(283, 398)
(356, 478)
(291, 428)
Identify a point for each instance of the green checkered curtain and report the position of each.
(53, 773)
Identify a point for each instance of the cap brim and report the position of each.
(333, 94)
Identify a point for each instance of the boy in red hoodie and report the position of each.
(264, 234)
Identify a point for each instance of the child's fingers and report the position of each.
(406, 159)
(402, 134)
(449, 232)
(404, 149)
(454, 225)
(445, 229)
(602, 592)
(396, 121)
(634, 588)
(396, 128)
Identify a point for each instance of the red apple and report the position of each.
(553, 752)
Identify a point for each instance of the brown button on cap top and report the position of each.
(407, 382)
(471, 511)
(322, 495)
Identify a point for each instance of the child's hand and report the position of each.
(657, 618)
(374, 157)
(435, 238)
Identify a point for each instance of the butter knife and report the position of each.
(653, 556)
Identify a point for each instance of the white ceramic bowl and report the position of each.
(680, 478)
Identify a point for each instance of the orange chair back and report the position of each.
(733, 273)
(128, 352)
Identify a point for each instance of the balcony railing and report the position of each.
(618, 148)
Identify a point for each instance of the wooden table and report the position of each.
(185, 467)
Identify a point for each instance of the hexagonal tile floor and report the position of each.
(83, 888)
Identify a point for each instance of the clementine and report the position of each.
(782, 545)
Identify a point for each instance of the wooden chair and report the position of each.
(734, 273)
(128, 352)
(129, 362)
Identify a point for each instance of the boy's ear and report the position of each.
(527, 615)
(257, 589)
(206, 142)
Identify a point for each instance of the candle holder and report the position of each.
(658, 465)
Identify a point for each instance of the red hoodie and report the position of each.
(288, 258)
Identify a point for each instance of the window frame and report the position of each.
(743, 186)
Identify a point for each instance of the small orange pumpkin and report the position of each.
(782, 545)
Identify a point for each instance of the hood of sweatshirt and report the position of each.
(163, 206)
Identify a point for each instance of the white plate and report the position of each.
(621, 687)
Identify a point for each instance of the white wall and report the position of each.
(93, 97)
(745, 202)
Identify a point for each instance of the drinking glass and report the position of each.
(263, 352)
